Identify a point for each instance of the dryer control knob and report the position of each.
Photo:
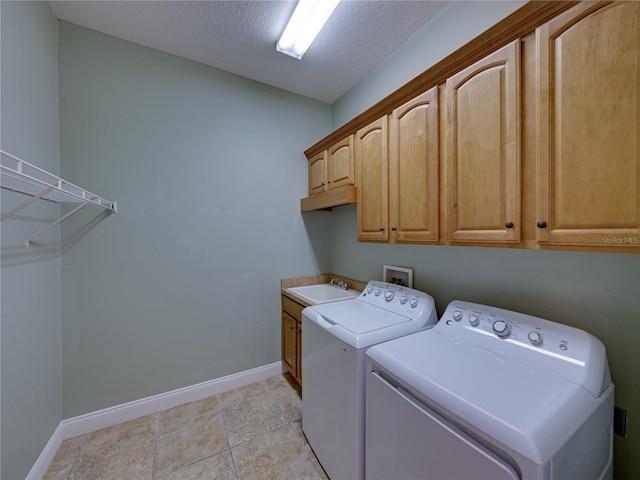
(413, 303)
(535, 337)
(403, 299)
(388, 295)
(369, 290)
(457, 314)
(501, 329)
(377, 292)
(473, 320)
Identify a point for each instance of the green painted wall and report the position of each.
(30, 306)
(182, 285)
(599, 293)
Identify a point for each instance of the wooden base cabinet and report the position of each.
(292, 337)
(588, 127)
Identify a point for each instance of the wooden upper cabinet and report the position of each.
(588, 126)
(413, 170)
(482, 157)
(372, 164)
(332, 168)
(340, 164)
(544, 129)
(318, 173)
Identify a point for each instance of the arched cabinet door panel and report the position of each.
(482, 158)
(318, 173)
(413, 170)
(372, 166)
(340, 163)
(587, 126)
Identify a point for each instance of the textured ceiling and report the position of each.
(240, 36)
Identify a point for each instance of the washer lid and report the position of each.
(360, 324)
(526, 409)
(359, 317)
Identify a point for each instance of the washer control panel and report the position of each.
(395, 298)
(542, 344)
(499, 325)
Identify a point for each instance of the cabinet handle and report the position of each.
(382, 229)
(541, 224)
(394, 228)
(509, 224)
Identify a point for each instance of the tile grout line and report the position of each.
(155, 448)
(309, 451)
(218, 412)
(226, 436)
(75, 457)
(269, 389)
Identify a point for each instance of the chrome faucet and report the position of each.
(340, 283)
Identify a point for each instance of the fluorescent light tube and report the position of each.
(306, 22)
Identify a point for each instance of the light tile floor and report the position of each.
(253, 432)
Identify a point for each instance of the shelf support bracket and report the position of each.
(25, 204)
(29, 240)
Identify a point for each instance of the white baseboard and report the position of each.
(44, 460)
(125, 412)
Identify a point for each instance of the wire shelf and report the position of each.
(23, 177)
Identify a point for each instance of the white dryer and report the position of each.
(489, 394)
(334, 340)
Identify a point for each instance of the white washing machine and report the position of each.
(335, 337)
(489, 394)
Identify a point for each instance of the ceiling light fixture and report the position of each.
(306, 22)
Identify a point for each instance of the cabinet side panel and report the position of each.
(289, 327)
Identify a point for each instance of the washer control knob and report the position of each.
(535, 337)
(369, 289)
(457, 314)
(388, 295)
(473, 320)
(413, 303)
(377, 292)
(501, 328)
(403, 299)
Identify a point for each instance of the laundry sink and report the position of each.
(323, 293)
